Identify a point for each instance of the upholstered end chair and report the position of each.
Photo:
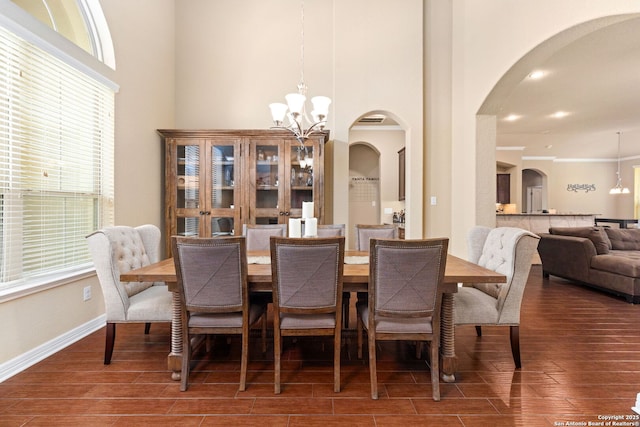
(508, 251)
(119, 249)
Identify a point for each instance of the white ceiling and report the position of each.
(595, 79)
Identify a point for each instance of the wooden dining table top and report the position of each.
(457, 271)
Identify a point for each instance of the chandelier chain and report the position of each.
(302, 84)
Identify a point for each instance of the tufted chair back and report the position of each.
(508, 251)
(116, 250)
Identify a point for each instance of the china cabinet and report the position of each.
(216, 180)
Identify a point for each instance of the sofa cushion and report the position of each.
(625, 239)
(597, 235)
(625, 263)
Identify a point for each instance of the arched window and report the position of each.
(81, 22)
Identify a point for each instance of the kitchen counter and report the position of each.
(540, 222)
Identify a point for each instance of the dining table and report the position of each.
(356, 279)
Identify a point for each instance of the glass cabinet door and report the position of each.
(188, 191)
(222, 197)
(267, 206)
(300, 177)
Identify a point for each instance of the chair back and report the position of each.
(258, 235)
(365, 232)
(307, 274)
(508, 251)
(330, 230)
(211, 273)
(405, 278)
(119, 249)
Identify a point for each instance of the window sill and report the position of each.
(33, 287)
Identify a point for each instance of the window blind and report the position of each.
(56, 163)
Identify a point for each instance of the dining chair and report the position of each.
(365, 232)
(307, 277)
(258, 235)
(211, 278)
(119, 249)
(506, 250)
(336, 230)
(405, 296)
(329, 230)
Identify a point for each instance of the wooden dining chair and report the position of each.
(258, 235)
(336, 230)
(329, 230)
(211, 278)
(307, 277)
(365, 232)
(405, 297)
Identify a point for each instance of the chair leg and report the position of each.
(346, 297)
(359, 328)
(515, 345)
(264, 331)
(277, 350)
(337, 347)
(479, 331)
(244, 357)
(110, 340)
(435, 370)
(186, 360)
(372, 364)
(147, 328)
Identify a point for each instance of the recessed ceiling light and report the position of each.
(535, 75)
(559, 114)
(512, 117)
(549, 146)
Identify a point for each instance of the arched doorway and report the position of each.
(534, 191)
(374, 170)
(492, 114)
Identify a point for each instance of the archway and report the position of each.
(375, 139)
(534, 191)
(486, 119)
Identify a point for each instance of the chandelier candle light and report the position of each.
(299, 123)
(619, 189)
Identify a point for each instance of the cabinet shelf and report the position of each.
(200, 166)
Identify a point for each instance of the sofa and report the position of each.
(604, 258)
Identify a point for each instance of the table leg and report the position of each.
(447, 339)
(174, 360)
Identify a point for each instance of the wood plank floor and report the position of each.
(580, 355)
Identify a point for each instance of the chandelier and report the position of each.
(299, 122)
(619, 189)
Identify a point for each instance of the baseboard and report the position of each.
(31, 357)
